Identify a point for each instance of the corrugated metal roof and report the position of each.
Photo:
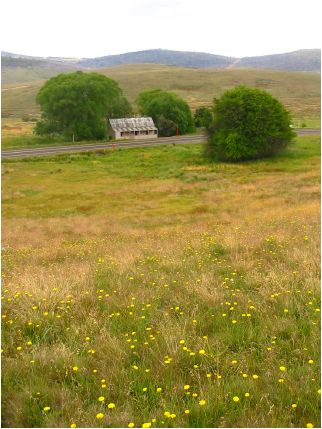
(132, 124)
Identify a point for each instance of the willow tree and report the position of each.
(78, 104)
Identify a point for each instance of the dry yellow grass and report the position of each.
(110, 261)
(15, 127)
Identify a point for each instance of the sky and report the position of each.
(91, 28)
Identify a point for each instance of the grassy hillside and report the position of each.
(299, 91)
(27, 69)
(16, 76)
(150, 288)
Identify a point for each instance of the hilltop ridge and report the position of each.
(300, 60)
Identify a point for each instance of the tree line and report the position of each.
(244, 123)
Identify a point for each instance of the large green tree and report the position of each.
(248, 124)
(77, 105)
(162, 105)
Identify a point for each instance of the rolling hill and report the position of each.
(18, 69)
(299, 91)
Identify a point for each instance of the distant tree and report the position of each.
(157, 103)
(165, 126)
(248, 123)
(120, 108)
(77, 104)
(203, 117)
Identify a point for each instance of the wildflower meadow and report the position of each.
(150, 288)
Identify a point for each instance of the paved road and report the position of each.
(58, 150)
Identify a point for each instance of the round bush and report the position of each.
(248, 124)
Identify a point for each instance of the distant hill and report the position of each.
(302, 60)
(161, 56)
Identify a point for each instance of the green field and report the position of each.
(185, 293)
(299, 91)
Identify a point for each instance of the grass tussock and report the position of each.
(184, 293)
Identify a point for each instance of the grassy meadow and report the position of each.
(150, 288)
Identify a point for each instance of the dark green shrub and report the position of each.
(166, 127)
(203, 117)
(248, 124)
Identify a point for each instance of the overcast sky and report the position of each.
(90, 28)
